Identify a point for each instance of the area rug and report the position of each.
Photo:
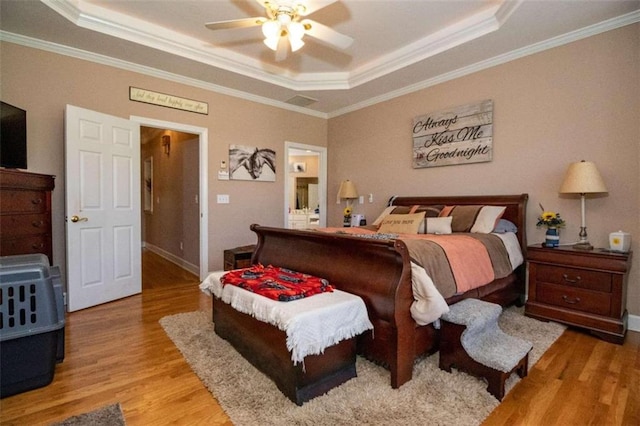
(111, 415)
(432, 397)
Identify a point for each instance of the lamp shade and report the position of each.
(347, 190)
(582, 178)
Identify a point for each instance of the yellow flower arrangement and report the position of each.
(550, 219)
(347, 211)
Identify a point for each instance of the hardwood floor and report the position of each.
(118, 352)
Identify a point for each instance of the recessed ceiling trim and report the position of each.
(106, 21)
(465, 30)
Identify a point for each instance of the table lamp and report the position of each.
(583, 178)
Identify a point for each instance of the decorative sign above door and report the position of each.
(169, 101)
(462, 135)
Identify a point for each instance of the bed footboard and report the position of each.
(377, 271)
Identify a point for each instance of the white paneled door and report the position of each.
(102, 208)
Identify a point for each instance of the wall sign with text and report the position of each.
(169, 101)
(462, 135)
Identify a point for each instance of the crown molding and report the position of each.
(608, 25)
(149, 71)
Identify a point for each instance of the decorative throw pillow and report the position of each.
(401, 223)
(473, 218)
(386, 212)
(438, 225)
(487, 219)
(505, 226)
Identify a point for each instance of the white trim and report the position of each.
(322, 179)
(171, 258)
(308, 80)
(563, 39)
(203, 199)
(634, 323)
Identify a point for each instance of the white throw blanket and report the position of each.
(311, 324)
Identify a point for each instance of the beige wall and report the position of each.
(43, 82)
(578, 101)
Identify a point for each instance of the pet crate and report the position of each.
(31, 323)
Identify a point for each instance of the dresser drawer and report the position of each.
(574, 298)
(26, 245)
(23, 202)
(572, 277)
(24, 224)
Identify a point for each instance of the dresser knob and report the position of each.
(37, 223)
(572, 281)
(571, 301)
(37, 246)
(36, 201)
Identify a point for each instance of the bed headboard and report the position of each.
(516, 207)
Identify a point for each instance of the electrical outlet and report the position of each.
(223, 198)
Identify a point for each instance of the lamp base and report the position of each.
(583, 246)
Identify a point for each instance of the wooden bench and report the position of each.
(472, 341)
(265, 346)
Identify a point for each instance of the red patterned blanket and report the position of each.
(276, 283)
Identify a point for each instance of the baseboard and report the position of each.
(194, 269)
(634, 323)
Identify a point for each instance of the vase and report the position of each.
(552, 237)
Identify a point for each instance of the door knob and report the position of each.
(76, 218)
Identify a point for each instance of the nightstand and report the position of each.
(586, 289)
(239, 257)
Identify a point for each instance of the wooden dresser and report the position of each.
(586, 289)
(25, 213)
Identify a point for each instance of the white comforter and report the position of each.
(311, 324)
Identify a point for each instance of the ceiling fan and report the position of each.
(285, 24)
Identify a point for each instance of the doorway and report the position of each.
(305, 185)
(193, 204)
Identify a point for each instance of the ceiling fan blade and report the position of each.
(326, 34)
(235, 23)
(283, 49)
(311, 6)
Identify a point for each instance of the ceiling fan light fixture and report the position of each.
(272, 43)
(295, 43)
(271, 29)
(296, 31)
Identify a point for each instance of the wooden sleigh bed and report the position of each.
(379, 271)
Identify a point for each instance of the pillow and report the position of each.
(401, 223)
(487, 219)
(505, 226)
(473, 218)
(386, 212)
(438, 225)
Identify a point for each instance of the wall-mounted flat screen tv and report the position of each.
(13, 137)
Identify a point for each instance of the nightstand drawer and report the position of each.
(579, 278)
(574, 298)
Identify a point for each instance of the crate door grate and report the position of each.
(19, 306)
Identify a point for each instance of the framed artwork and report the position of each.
(299, 167)
(252, 163)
